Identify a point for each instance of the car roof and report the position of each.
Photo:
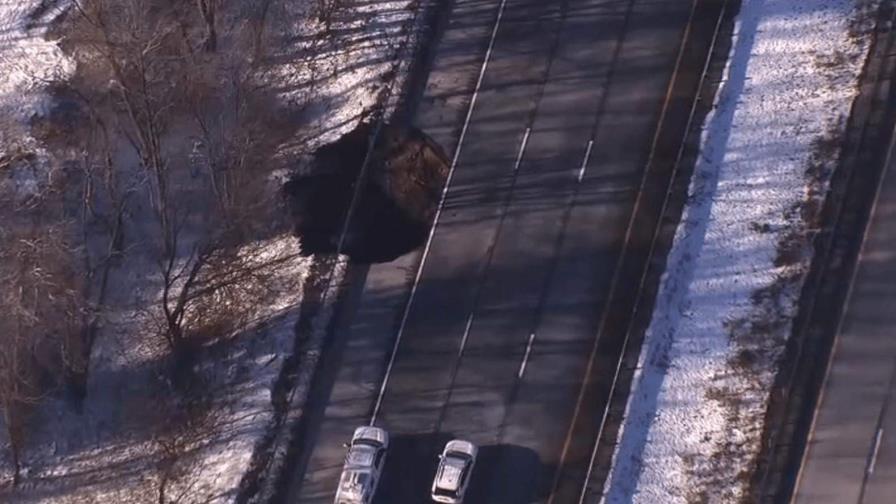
(360, 456)
(450, 471)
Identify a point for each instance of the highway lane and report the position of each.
(851, 454)
(850, 449)
(521, 260)
(440, 322)
(598, 92)
(352, 368)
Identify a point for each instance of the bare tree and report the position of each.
(214, 290)
(208, 11)
(104, 197)
(208, 281)
(257, 25)
(140, 47)
(40, 305)
(127, 51)
(40, 279)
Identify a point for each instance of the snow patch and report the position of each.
(346, 64)
(111, 449)
(28, 63)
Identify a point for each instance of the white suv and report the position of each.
(363, 466)
(453, 475)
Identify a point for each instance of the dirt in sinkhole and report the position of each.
(397, 202)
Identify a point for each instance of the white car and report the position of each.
(363, 466)
(453, 475)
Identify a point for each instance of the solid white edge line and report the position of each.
(585, 160)
(463, 340)
(519, 156)
(875, 451)
(435, 222)
(526, 357)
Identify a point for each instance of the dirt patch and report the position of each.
(395, 206)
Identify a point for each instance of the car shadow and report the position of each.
(410, 467)
(504, 474)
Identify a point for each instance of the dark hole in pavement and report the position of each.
(397, 202)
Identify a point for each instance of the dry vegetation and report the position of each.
(40, 303)
(41, 298)
(169, 87)
(164, 142)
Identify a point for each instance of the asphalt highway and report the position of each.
(851, 453)
(492, 339)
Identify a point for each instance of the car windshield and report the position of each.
(368, 437)
(458, 455)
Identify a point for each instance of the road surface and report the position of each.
(851, 453)
(503, 318)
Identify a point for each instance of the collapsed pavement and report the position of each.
(396, 204)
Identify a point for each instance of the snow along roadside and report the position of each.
(725, 305)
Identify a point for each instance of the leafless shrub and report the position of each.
(215, 291)
(184, 427)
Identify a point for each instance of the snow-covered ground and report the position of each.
(111, 448)
(725, 305)
(27, 63)
(27, 60)
(350, 69)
